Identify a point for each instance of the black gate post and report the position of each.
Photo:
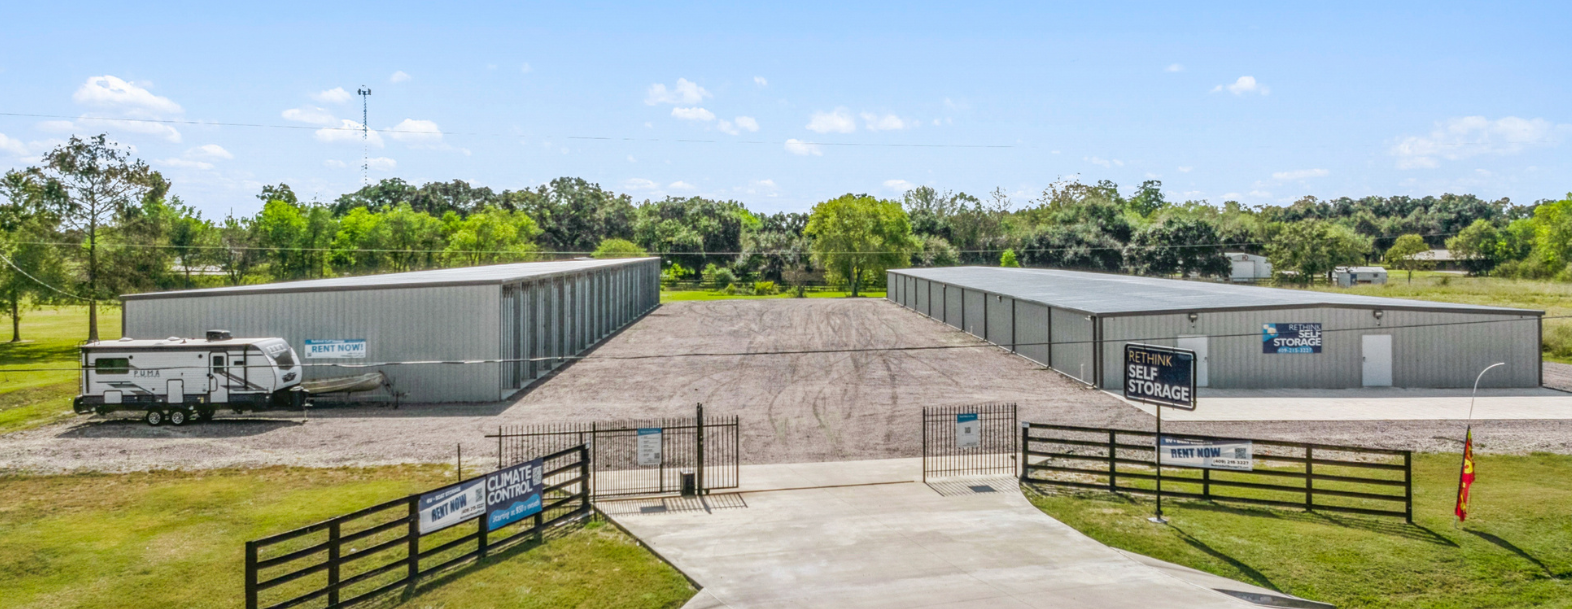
(1408, 486)
(413, 571)
(699, 440)
(251, 575)
(924, 444)
(334, 533)
(1026, 430)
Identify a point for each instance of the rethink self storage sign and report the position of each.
(1159, 375)
(1291, 338)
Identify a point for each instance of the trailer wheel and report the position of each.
(154, 418)
(178, 417)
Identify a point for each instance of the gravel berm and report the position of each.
(793, 408)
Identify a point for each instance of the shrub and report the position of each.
(731, 289)
(718, 276)
(764, 288)
(1558, 340)
(800, 291)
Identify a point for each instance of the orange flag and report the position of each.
(1466, 478)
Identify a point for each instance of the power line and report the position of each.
(852, 350)
(363, 128)
(40, 282)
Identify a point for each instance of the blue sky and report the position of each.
(787, 105)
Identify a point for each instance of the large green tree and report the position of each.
(857, 236)
(89, 184)
(1475, 247)
(1302, 251)
(1405, 255)
(1177, 246)
(33, 266)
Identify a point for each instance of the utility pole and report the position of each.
(365, 147)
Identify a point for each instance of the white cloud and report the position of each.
(747, 123)
(640, 184)
(416, 132)
(1174, 67)
(631, 159)
(399, 77)
(12, 145)
(761, 81)
(111, 92)
(56, 126)
(335, 95)
(680, 185)
(802, 148)
(209, 151)
(1300, 174)
(348, 131)
(693, 114)
(1104, 162)
(1469, 136)
(185, 164)
(898, 185)
(336, 164)
(526, 69)
(686, 92)
(310, 115)
(726, 127)
(839, 121)
(888, 122)
(1185, 169)
(1245, 84)
(381, 163)
(766, 183)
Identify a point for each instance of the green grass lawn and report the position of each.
(176, 539)
(671, 296)
(1514, 551)
(28, 397)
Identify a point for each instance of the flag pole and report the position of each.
(1465, 470)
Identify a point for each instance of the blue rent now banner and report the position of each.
(1291, 338)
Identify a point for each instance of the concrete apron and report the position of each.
(869, 534)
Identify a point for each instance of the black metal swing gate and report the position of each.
(970, 440)
(707, 448)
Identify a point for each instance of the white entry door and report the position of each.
(1198, 345)
(177, 391)
(1377, 350)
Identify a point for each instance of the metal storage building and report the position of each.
(1077, 323)
(501, 312)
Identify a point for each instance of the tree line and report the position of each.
(91, 222)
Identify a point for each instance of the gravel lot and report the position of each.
(793, 408)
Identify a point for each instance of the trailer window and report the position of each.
(285, 359)
(112, 365)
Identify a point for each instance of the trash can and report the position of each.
(690, 483)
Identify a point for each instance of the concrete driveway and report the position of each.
(868, 534)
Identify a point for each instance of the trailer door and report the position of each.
(218, 378)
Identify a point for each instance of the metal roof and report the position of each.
(495, 274)
(1113, 295)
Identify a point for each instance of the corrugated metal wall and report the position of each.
(551, 317)
(999, 320)
(398, 325)
(1428, 355)
(1425, 356)
(1031, 331)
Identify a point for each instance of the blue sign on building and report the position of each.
(1291, 338)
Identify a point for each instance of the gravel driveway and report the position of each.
(793, 408)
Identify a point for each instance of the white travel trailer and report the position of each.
(181, 380)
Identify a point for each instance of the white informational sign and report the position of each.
(446, 507)
(336, 348)
(649, 446)
(968, 431)
(1207, 454)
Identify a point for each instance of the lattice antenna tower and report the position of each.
(365, 133)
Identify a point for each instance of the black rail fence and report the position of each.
(1315, 477)
(363, 555)
(708, 447)
(969, 440)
